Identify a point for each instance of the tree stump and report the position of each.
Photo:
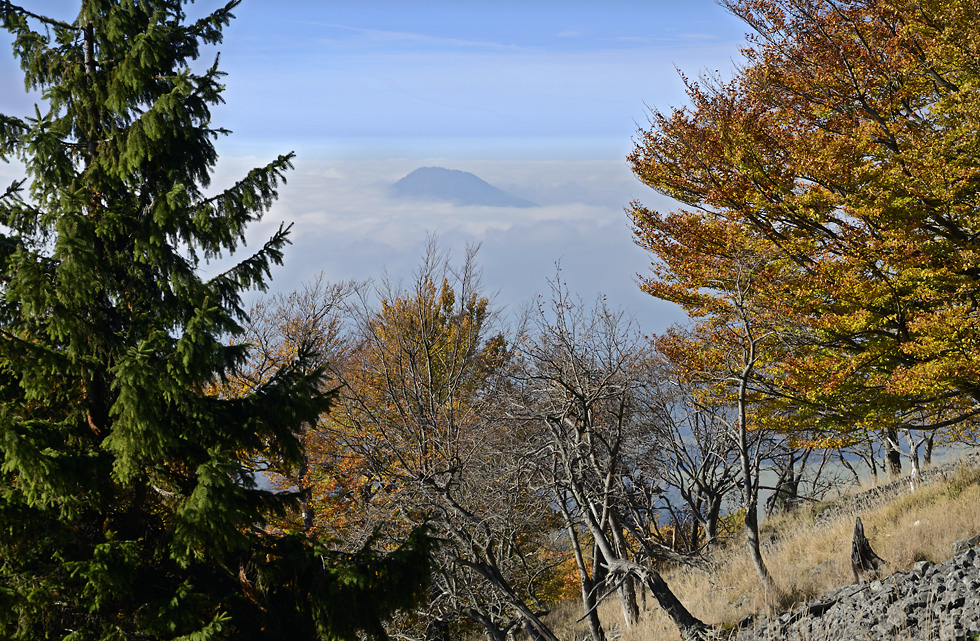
(864, 562)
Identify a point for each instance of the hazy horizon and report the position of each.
(539, 99)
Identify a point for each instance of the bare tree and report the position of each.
(699, 454)
(581, 375)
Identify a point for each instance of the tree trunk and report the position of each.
(493, 631)
(711, 519)
(627, 588)
(915, 478)
(784, 495)
(755, 547)
(750, 486)
(88, 60)
(893, 454)
(627, 600)
(587, 585)
(927, 452)
(871, 461)
(694, 541)
(599, 568)
(532, 632)
(306, 508)
(788, 492)
(864, 561)
(689, 626)
(591, 609)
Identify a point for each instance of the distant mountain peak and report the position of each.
(454, 186)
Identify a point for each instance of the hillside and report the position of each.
(454, 186)
(929, 589)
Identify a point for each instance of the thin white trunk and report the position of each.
(915, 478)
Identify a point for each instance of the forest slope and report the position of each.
(808, 552)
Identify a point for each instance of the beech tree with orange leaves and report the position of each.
(847, 141)
(730, 279)
(417, 415)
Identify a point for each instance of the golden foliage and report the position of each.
(845, 150)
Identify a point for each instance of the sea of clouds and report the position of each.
(347, 226)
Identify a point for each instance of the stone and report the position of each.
(930, 602)
(962, 546)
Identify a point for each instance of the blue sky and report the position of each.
(519, 70)
(541, 98)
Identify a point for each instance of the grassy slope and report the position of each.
(807, 558)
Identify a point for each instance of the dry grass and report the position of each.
(805, 559)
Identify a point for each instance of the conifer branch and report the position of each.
(9, 7)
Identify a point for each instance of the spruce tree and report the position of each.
(129, 505)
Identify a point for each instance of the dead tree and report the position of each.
(580, 375)
(864, 562)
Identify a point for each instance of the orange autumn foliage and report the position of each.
(847, 142)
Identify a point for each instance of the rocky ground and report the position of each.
(928, 603)
(938, 602)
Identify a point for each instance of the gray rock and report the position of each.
(940, 601)
(921, 568)
(964, 545)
